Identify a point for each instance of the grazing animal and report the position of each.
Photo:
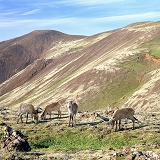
(49, 108)
(120, 114)
(72, 110)
(28, 109)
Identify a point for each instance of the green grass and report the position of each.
(119, 90)
(153, 46)
(68, 140)
(135, 64)
(134, 70)
(75, 140)
(155, 53)
(42, 138)
(46, 138)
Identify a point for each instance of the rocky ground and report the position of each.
(150, 151)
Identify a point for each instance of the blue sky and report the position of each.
(78, 17)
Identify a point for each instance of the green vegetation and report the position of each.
(153, 47)
(119, 90)
(155, 53)
(134, 70)
(74, 140)
(43, 138)
(76, 49)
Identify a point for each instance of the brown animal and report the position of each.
(49, 108)
(120, 114)
(28, 109)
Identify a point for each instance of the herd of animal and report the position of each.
(118, 115)
(29, 109)
(13, 139)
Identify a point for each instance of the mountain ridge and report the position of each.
(84, 65)
(28, 47)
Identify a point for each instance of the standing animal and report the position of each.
(120, 114)
(28, 109)
(49, 108)
(72, 110)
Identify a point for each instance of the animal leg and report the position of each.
(72, 120)
(21, 118)
(26, 117)
(116, 126)
(139, 122)
(50, 115)
(119, 124)
(69, 120)
(18, 118)
(59, 114)
(133, 120)
(75, 119)
(112, 124)
(133, 124)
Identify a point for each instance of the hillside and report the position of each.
(114, 69)
(16, 54)
(103, 69)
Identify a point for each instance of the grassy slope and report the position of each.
(118, 91)
(82, 138)
(47, 137)
(56, 136)
(153, 47)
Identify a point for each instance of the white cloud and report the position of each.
(34, 22)
(83, 26)
(14, 22)
(74, 2)
(31, 12)
(89, 2)
(9, 12)
(77, 21)
(140, 16)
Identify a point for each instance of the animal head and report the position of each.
(42, 116)
(36, 117)
(111, 122)
(69, 103)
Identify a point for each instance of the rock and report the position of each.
(13, 141)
